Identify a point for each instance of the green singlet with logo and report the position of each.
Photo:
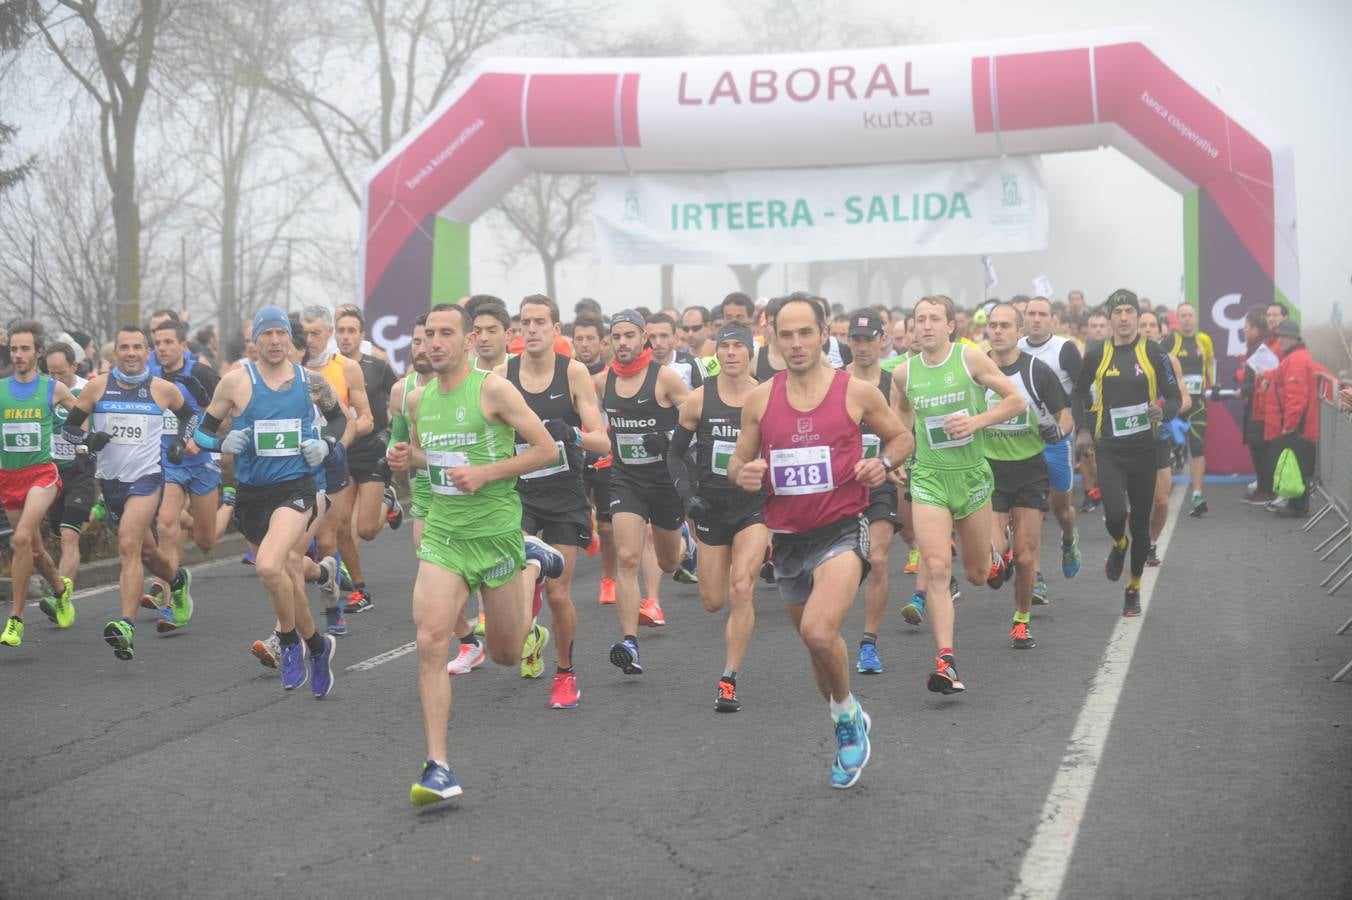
(1013, 439)
(475, 535)
(949, 472)
(419, 484)
(26, 430)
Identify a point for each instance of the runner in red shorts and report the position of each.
(28, 478)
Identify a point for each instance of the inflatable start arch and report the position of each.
(853, 107)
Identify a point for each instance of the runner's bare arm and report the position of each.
(900, 405)
(746, 468)
(692, 409)
(670, 389)
(356, 397)
(502, 402)
(594, 438)
(405, 455)
(63, 397)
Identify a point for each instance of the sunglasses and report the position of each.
(689, 328)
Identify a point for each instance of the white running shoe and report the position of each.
(471, 657)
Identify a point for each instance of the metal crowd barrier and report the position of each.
(1333, 487)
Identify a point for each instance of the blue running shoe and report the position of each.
(1070, 556)
(335, 621)
(625, 655)
(247, 558)
(294, 674)
(1040, 591)
(686, 572)
(549, 559)
(852, 748)
(914, 612)
(435, 784)
(869, 663)
(321, 669)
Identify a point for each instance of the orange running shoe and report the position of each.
(1020, 638)
(650, 614)
(563, 694)
(595, 546)
(607, 597)
(912, 562)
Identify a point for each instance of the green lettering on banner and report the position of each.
(692, 216)
(801, 213)
(877, 210)
(777, 214)
(933, 211)
(755, 215)
(735, 216)
(853, 214)
(959, 202)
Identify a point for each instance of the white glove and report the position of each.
(314, 451)
(236, 442)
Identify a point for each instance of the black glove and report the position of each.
(657, 443)
(174, 452)
(97, 440)
(383, 435)
(382, 469)
(697, 508)
(560, 430)
(1050, 433)
(1215, 392)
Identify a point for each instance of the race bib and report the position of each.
(873, 446)
(62, 449)
(1129, 419)
(801, 470)
(560, 463)
(23, 437)
(126, 428)
(276, 437)
(170, 422)
(632, 451)
(1194, 383)
(722, 454)
(439, 465)
(938, 438)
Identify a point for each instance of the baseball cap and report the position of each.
(630, 316)
(1288, 328)
(866, 323)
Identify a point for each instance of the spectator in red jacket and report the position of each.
(1293, 411)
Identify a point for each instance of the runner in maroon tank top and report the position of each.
(801, 444)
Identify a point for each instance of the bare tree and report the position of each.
(110, 58)
(15, 18)
(547, 212)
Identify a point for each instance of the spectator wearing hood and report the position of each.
(1292, 413)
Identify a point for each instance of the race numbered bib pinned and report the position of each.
(1128, 420)
(801, 470)
(170, 422)
(22, 437)
(560, 463)
(632, 451)
(1194, 383)
(873, 446)
(127, 428)
(722, 455)
(62, 449)
(439, 465)
(277, 437)
(938, 438)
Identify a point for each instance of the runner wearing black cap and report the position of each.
(865, 335)
(1133, 381)
(729, 523)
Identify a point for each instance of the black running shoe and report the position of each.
(768, 572)
(1132, 605)
(1116, 560)
(727, 701)
(1199, 508)
(944, 679)
(954, 589)
(1153, 559)
(1020, 638)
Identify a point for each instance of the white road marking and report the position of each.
(383, 658)
(112, 586)
(1043, 873)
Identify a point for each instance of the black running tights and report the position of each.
(1127, 479)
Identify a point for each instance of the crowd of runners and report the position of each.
(781, 440)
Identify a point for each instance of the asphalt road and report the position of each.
(1225, 767)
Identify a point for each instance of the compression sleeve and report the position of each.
(72, 431)
(1071, 360)
(1167, 384)
(676, 466)
(336, 420)
(205, 435)
(1080, 402)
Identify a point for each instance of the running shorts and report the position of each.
(960, 491)
(559, 529)
(363, 460)
(882, 504)
(71, 509)
(655, 503)
(797, 556)
(1022, 482)
(197, 480)
(490, 561)
(726, 519)
(255, 504)
(1060, 459)
(332, 476)
(1164, 454)
(115, 493)
(1196, 419)
(16, 483)
(597, 482)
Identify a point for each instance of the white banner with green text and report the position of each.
(801, 215)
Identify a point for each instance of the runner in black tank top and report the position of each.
(728, 520)
(554, 503)
(640, 398)
(866, 345)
